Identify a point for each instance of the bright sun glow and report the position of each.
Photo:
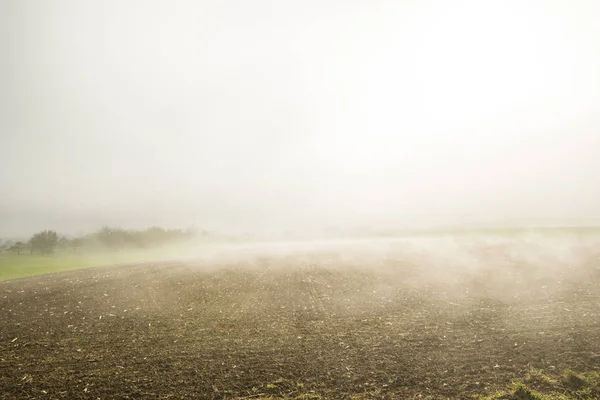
(446, 73)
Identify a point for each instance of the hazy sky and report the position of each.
(252, 115)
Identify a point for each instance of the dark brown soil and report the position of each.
(287, 327)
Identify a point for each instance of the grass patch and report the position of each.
(593, 379)
(573, 380)
(501, 394)
(539, 378)
(542, 386)
(20, 266)
(521, 392)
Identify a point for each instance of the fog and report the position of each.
(268, 116)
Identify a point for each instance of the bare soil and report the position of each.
(285, 326)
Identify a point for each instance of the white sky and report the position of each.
(257, 115)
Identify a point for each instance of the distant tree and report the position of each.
(44, 242)
(17, 247)
(117, 238)
(63, 242)
(134, 239)
(75, 243)
(104, 236)
(113, 238)
(155, 236)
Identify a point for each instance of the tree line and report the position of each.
(48, 241)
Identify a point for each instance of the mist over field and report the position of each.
(300, 200)
(515, 267)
